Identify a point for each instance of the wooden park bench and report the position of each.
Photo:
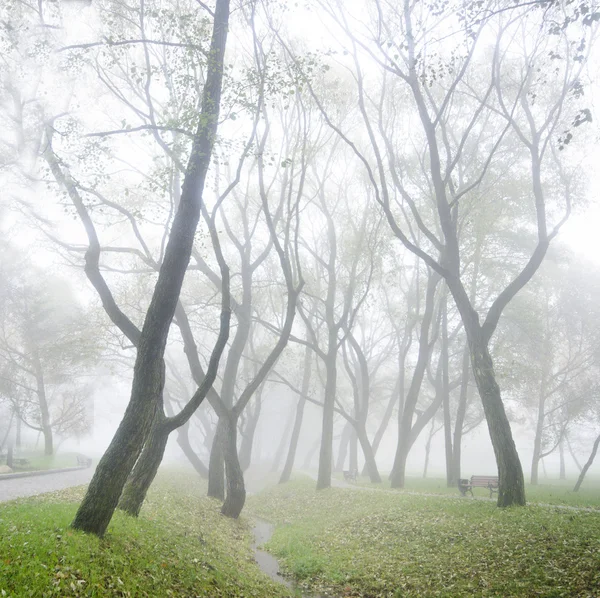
(478, 481)
(84, 461)
(350, 475)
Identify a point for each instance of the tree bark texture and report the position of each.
(511, 490)
(236, 492)
(143, 474)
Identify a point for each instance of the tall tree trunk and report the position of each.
(428, 447)
(461, 411)
(572, 453)
(18, 433)
(43, 404)
(326, 451)
(511, 489)
(405, 416)
(353, 446)
(143, 474)
(104, 491)
(343, 447)
(539, 427)
(245, 453)
(216, 464)
(236, 492)
(445, 391)
(587, 465)
(561, 452)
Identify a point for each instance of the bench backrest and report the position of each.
(484, 481)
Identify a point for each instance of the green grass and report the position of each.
(556, 492)
(179, 546)
(355, 543)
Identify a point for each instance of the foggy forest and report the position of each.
(299, 298)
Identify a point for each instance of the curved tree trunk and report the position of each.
(587, 465)
(511, 490)
(291, 455)
(183, 440)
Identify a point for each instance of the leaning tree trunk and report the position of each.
(343, 447)
(104, 491)
(367, 449)
(216, 464)
(587, 465)
(236, 492)
(511, 487)
(183, 440)
(144, 472)
(291, 455)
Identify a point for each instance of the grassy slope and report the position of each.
(358, 543)
(180, 546)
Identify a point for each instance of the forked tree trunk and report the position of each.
(405, 416)
(587, 465)
(370, 463)
(143, 474)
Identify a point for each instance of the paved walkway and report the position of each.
(30, 486)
